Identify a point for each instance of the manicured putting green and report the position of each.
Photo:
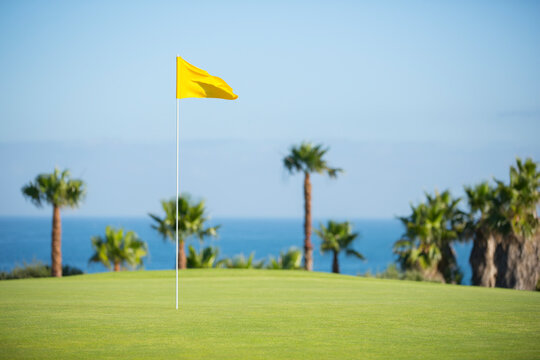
(262, 314)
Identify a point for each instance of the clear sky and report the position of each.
(409, 95)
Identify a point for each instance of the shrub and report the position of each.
(36, 269)
(71, 270)
(393, 272)
(205, 258)
(289, 260)
(241, 262)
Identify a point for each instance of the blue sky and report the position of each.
(409, 95)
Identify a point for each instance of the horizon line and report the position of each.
(227, 217)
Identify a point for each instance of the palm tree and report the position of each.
(517, 257)
(205, 259)
(241, 262)
(192, 219)
(59, 190)
(518, 201)
(504, 226)
(481, 229)
(289, 260)
(117, 248)
(427, 243)
(308, 158)
(337, 237)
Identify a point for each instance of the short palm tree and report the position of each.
(308, 158)
(337, 237)
(289, 260)
(59, 190)
(241, 262)
(427, 243)
(117, 248)
(204, 259)
(192, 219)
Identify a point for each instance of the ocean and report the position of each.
(24, 239)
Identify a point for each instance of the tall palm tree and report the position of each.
(518, 201)
(117, 248)
(192, 219)
(481, 230)
(516, 219)
(308, 158)
(427, 243)
(338, 237)
(59, 190)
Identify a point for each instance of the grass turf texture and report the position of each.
(262, 314)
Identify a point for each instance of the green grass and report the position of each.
(262, 314)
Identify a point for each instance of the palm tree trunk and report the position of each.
(335, 263)
(56, 243)
(181, 255)
(447, 266)
(116, 266)
(308, 247)
(518, 262)
(482, 258)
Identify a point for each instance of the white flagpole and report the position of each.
(176, 255)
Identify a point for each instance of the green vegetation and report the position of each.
(204, 259)
(192, 218)
(289, 260)
(207, 258)
(394, 273)
(308, 158)
(36, 269)
(258, 314)
(502, 221)
(504, 227)
(241, 262)
(117, 249)
(59, 190)
(337, 237)
(426, 245)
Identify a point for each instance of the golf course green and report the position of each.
(262, 314)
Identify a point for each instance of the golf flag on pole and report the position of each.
(192, 82)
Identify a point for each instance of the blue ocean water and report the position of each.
(28, 238)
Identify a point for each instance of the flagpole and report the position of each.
(176, 255)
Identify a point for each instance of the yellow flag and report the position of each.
(192, 82)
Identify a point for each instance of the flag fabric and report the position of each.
(192, 82)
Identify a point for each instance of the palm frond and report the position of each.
(56, 188)
(118, 247)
